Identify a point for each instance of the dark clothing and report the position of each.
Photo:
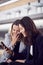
(37, 58)
(37, 52)
(4, 63)
(18, 55)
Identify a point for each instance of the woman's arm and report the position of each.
(7, 39)
(20, 61)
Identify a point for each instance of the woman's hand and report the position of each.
(9, 51)
(9, 60)
(21, 61)
(14, 39)
(22, 30)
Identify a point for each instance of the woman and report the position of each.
(9, 42)
(19, 48)
(31, 37)
(12, 41)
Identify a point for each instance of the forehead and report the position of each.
(21, 26)
(15, 27)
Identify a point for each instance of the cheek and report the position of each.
(13, 32)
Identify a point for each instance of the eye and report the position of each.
(17, 30)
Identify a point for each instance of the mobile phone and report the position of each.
(20, 36)
(4, 46)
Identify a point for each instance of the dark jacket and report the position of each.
(37, 52)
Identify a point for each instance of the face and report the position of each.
(15, 30)
(22, 30)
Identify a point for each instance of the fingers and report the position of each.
(15, 37)
(8, 51)
(9, 60)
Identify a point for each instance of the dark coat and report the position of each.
(37, 52)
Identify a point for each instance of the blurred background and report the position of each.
(11, 10)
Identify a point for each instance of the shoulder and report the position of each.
(7, 39)
(7, 34)
(39, 39)
(39, 42)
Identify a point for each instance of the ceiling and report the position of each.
(3, 1)
(14, 3)
(9, 13)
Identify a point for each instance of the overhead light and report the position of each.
(38, 4)
(8, 2)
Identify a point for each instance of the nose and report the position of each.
(15, 31)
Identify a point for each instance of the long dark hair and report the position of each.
(30, 28)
